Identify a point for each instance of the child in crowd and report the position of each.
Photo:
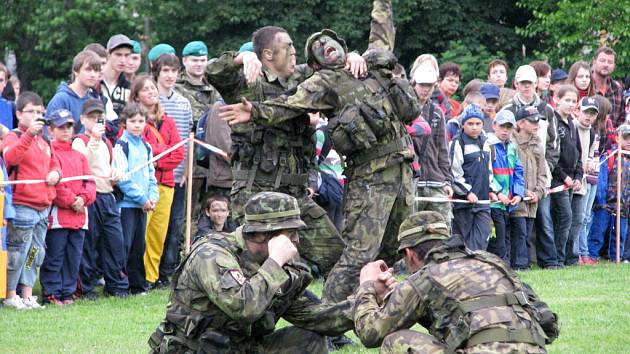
(589, 108)
(532, 157)
(139, 191)
(558, 78)
(471, 166)
(454, 125)
(215, 217)
(28, 156)
(568, 173)
(604, 211)
(448, 83)
(491, 93)
(508, 176)
(161, 133)
(104, 246)
(580, 77)
(7, 212)
(68, 217)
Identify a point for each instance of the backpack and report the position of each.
(202, 155)
(118, 193)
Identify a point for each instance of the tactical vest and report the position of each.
(452, 317)
(273, 156)
(371, 123)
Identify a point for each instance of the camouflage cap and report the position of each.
(308, 53)
(421, 227)
(272, 211)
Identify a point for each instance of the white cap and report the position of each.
(425, 75)
(526, 73)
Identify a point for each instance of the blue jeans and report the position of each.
(170, 253)
(591, 191)
(134, 221)
(475, 225)
(562, 217)
(26, 245)
(546, 255)
(520, 227)
(60, 270)
(573, 243)
(604, 226)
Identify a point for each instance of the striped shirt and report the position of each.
(178, 108)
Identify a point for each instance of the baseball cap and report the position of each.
(525, 73)
(137, 47)
(118, 40)
(558, 75)
(528, 112)
(589, 103)
(160, 49)
(624, 129)
(60, 117)
(490, 91)
(195, 48)
(93, 105)
(425, 75)
(246, 47)
(505, 117)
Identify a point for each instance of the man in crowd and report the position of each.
(602, 68)
(114, 85)
(468, 301)
(231, 290)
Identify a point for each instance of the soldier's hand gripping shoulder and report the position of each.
(236, 113)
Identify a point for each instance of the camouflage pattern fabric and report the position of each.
(224, 302)
(433, 297)
(412, 342)
(382, 31)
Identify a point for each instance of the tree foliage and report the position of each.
(572, 30)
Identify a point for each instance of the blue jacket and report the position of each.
(68, 99)
(507, 170)
(140, 186)
(7, 112)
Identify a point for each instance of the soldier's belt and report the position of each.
(482, 302)
(510, 335)
(397, 145)
(297, 179)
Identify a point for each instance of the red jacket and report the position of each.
(29, 157)
(73, 163)
(166, 138)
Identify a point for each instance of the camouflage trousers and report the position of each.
(444, 209)
(288, 340)
(320, 243)
(408, 341)
(374, 208)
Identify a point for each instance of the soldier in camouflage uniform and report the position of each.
(232, 289)
(470, 302)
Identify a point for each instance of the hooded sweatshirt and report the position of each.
(68, 99)
(587, 139)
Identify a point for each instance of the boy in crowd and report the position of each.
(471, 166)
(157, 50)
(86, 71)
(114, 86)
(133, 61)
(454, 124)
(508, 176)
(104, 247)
(558, 78)
(215, 217)
(178, 108)
(498, 75)
(28, 156)
(491, 93)
(7, 109)
(139, 191)
(604, 218)
(68, 218)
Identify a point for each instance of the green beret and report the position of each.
(421, 227)
(160, 49)
(137, 48)
(195, 48)
(246, 47)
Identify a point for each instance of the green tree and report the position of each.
(572, 30)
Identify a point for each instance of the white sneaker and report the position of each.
(15, 302)
(31, 303)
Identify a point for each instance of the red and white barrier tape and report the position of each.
(463, 201)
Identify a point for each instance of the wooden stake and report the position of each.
(619, 165)
(189, 183)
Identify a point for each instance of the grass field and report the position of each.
(593, 304)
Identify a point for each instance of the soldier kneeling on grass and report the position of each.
(469, 301)
(231, 290)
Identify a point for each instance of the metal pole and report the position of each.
(189, 183)
(618, 221)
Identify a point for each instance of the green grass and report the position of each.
(593, 304)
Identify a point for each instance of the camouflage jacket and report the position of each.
(438, 297)
(201, 95)
(220, 293)
(266, 151)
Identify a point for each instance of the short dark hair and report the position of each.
(216, 198)
(264, 37)
(449, 68)
(97, 48)
(497, 62)
(422, 249)
(26, 98)
(166, 59)
(541, 68)
(133, 109)
(605, 50)
(472, 85)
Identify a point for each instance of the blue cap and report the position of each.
(247, 47)
(558, 75)
(61, 117)
(490, 91)
(589, 103)
(137, 47)
(505, 117)
(195, 48)
(472, 111)
(160, 49)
